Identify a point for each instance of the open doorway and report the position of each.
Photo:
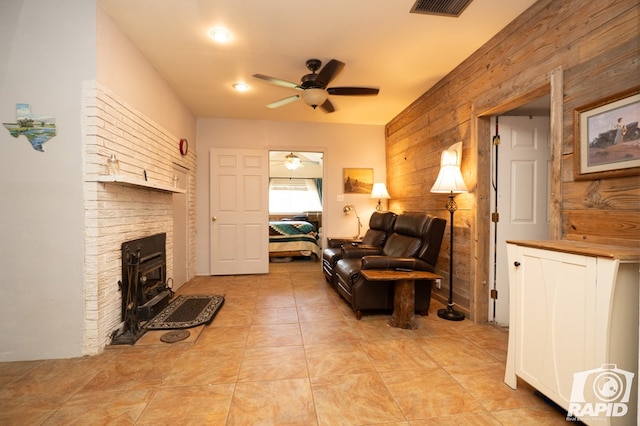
(295, 204)
(520, 191)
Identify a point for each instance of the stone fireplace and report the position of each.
(136, 204)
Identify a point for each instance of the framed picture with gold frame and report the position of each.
(358, 181)
(607, 137)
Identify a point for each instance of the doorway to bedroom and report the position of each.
(295, 205)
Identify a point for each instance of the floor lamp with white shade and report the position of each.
(450, 182)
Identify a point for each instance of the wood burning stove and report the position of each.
(143, 286)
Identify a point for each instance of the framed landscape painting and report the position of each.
(607, 137)
(358, 181)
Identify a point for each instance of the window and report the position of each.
(294, 195)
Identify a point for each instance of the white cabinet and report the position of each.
(574, 309)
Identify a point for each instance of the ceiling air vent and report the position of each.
(440, 7)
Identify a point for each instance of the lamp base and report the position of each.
(450, 314)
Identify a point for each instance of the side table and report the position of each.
(404, 293)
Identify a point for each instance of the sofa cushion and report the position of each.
(406, 239)
(433, 233)
(399, 245)
(380, 225)
(411, 224)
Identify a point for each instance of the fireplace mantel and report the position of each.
(129, 181)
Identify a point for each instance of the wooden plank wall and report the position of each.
(591, 50)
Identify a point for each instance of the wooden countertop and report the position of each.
(585, 249)
(394, 274)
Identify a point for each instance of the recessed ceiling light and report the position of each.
(220, 35)
(241, 87)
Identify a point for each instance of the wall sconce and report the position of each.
(348, 209)
(450, 182)
(380, 192)
(292, 161)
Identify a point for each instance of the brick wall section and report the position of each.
(116, 213)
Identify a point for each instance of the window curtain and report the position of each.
(318, 183)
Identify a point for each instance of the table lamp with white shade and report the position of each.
(380, 192)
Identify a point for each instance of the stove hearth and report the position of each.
(143, 286)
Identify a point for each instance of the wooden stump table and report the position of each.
(404, 293)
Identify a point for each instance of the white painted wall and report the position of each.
(123, 69)
(46, 52)
(349, 146)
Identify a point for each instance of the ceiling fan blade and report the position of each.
(327, 106)
(283, 102)
(277, 81)
(329, 72)
(353, 91)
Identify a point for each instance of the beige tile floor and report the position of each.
(283, 350)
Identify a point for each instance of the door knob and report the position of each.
(516, 264)
(213, 218)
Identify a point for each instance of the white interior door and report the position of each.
(239, 211)
(181, 228)
(523, 197)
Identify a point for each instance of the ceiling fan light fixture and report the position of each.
(241, 87)
(313, 88)
(292, 161)
(314, 97)
(220, 35)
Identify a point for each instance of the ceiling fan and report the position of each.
(314, 86)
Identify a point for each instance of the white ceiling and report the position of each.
(382, 44)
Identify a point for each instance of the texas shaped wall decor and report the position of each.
(37, 129)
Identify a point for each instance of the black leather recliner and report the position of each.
(414, 244)
(380, 226)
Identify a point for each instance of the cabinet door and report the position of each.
(556, 300)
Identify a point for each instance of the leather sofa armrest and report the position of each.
(333, 242)
(388, 262)
(354, 252)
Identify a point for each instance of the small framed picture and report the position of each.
(358, 181)
(607, 137)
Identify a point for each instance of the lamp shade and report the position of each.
(380, 191)
(450, 178)
(314, 97)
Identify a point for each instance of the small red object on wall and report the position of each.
(184, 147)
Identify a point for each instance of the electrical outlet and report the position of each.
(438, 284)
(340, 197)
